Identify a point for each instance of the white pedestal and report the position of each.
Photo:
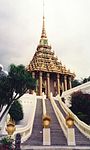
(71, 136)
(46, 136)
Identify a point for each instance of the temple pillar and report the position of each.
(33, 75)
(58, 84)
(48, 85)
(63, 86)
(70, 84)
(40, 83)
(65, 82)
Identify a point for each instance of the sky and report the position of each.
(67, 26)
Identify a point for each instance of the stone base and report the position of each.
(71, 136)
(46, 136)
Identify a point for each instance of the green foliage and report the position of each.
(6, 91)
(80, 105)
(75, 83)
(16, 111)
(15, 84)
(84, 80)
(21, 79)
(6, 141)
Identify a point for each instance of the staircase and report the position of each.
(81, 140)
(57, 136)
(37, 135)
(58, 140)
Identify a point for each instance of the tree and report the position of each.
(16, 111)
(14, 85)
(84, 80)
(80, 105)
(75, 83)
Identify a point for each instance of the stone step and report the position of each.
(60, 108)
(57, 136)
(28, 147)
(36, 136)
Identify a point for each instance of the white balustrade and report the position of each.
(85, 88)
(44, 106)
(83, 127)
(68, 132)
(27, 129)
(60, 117)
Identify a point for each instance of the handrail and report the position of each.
(83, 127)
(44, 106)
(60, 117)
(83, 87)
(27, 130)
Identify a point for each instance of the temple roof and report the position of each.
(44, 58)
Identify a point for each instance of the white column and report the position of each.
(33, 75)
(48, 85)
(58, 84)
(40, 83)
(70, 84)
(65, 82)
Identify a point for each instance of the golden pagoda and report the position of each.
(50, 74)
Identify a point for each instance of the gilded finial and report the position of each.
(43, 35)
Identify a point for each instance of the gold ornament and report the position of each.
(69, 121)
(46, 121)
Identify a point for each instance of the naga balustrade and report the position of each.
(83, 127)
(60, 117)
(26, 131)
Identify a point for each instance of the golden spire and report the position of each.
(43, 35)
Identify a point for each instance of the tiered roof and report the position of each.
(44, 58)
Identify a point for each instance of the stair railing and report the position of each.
(44, 106)
(83, 87)
(83, 127)
(46, 127)
(26, 131)
(60, 117)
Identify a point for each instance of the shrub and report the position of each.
(80, 105)
(16, 111)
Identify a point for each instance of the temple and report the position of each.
(50, 74)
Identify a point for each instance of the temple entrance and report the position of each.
(43, 89)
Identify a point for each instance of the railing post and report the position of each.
(46, 123)
(70, 130)
(46, 130)
(46, 136)
(71, 136)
